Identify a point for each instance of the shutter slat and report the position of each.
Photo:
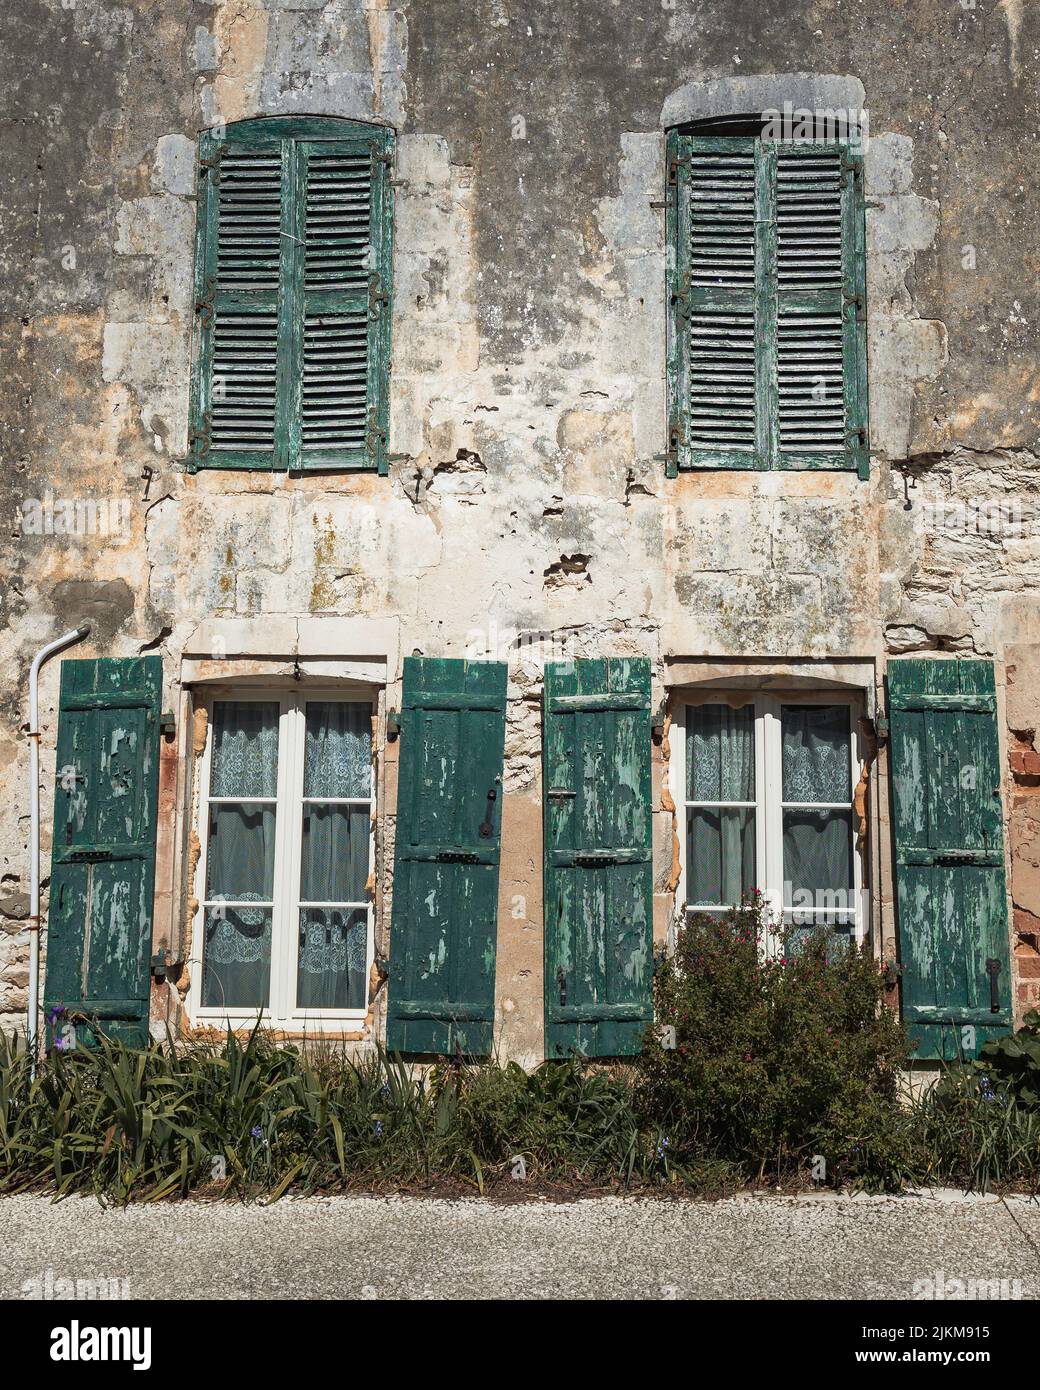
(245, 363)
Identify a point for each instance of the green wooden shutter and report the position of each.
(449, 824)
(598, 872)
(949, 853)
(767, 342)
(99, 933)
(292, 289)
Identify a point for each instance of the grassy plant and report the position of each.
(255, 1117)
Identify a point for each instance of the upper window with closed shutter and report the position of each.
(767, 342)
(292, 296)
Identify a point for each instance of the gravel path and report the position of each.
(365, 1247)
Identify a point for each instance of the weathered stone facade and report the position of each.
(526, 491)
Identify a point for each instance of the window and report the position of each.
(767, 790)
(284, 922)
(292, 296)
(767, 330)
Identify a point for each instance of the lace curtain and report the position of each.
(245, 749)
(818, 868)
(240, 855)
(338, 751)
(333, 942)
(333, 953)
(720, 766)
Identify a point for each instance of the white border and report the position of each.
(283, 1014)
(769, 789)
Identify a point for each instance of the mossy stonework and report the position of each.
(527, 514)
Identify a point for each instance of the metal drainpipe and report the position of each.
(66, 640)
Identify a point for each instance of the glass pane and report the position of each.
(240, 863)
(335, 853)
(720, 756)
(816, 752)
(245, 749)
(333, 955)
(236, 961)
(818, 863)
(338, 751)
(720, 855)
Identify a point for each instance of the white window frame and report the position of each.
(282, 1012)
(768, 804)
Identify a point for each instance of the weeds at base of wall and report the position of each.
(783, 1075)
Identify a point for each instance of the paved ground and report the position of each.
(752, 1247)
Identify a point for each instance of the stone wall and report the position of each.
(526, 491)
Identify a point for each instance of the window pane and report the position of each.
(720, 756)
(332, 957)
(245, 749)
(338, 752)
(335, 853)
(240, 861)
(236, 970)
(818, 862)
(720, 847)
(816, 752)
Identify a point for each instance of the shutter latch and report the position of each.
(993, 970)
(456, 856)
(199, 440)
(487, 825)
(561, 980)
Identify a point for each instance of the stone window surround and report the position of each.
(767, 701)
(855, 679)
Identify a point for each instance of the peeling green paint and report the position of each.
(449, 824)
(103, 862)
(597, 826)
(949, 852)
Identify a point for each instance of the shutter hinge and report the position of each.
(204, 304)
(857, 300)
(681, 295)
(670, 457)
(199, 440)
(850, 164)
(377, 296)
(857, 437)
(374, 436)
(673, 169)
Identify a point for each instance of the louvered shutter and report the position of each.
(715, 302)
(99, 926)
(293, 296)
(598, 872)
(949, 854)
(767, 341)
(446, 859)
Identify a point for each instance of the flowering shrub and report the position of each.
(787, 1065)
